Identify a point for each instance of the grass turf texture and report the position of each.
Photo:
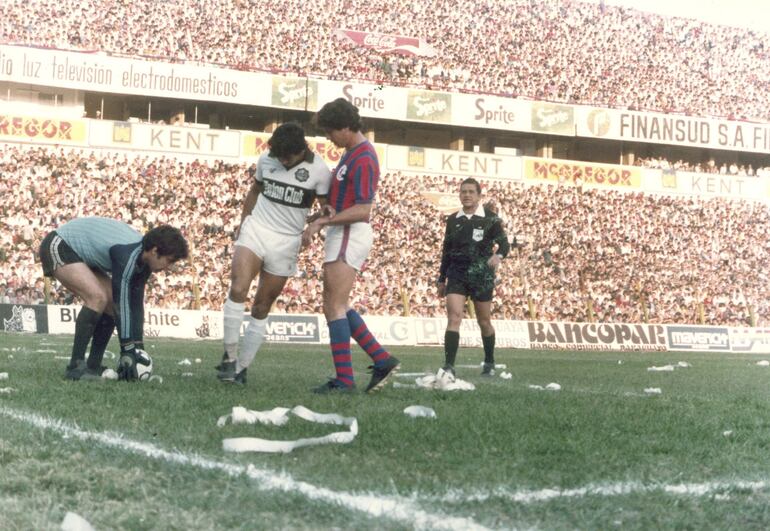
(612, 454)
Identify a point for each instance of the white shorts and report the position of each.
(277, 251)
(349, 243)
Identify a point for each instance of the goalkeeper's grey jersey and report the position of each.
(92, 238)
(287, 195)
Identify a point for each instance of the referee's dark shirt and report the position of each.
(468, 240)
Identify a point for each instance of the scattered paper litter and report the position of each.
(3, 375)
(111, 354)
(109, 374)
(278, 417)
(7, 390)
(620, 362)
(187, 374)
(653, 390)
(185, 362)
(420, 411)
(727, 433)
(444, 381)
(553, 386)
(75, 522)
(669, 368)
(198, 360)
(763, 363)
(10, 356)
(156, 378)
(506, 375)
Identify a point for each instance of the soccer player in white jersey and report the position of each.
(288, 179)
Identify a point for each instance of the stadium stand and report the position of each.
(587, 255)
(568, 51)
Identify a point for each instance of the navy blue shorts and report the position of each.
(475, 292)
(55, 252)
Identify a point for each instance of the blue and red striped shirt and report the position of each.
(355, 179)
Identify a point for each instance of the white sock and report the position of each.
(252, 340)
(231, 327)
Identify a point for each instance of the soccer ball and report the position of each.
(143, 365)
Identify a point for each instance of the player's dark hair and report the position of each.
(339, 114)
(288, 139)
(471, 180)
(168, 241)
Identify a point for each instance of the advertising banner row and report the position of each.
(411, 331)
(102, 73)
(247, 146)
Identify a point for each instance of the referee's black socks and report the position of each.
(451, 342)
(489, 348)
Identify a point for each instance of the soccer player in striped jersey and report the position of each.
(348, 241)
(288, 179)
(106, 263)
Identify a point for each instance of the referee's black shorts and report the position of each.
(55, 252)
(474, 291)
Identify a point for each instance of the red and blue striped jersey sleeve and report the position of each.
(355, 178)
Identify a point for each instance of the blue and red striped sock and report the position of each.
(339, 341)
(365, 339)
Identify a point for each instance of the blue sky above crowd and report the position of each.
(740, 13)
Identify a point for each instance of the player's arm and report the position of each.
(498, 236)
(444, 267)
(364, 177)
(251, 199)
(325, 209)
(125, 262)
(136, 305)
(124, 265)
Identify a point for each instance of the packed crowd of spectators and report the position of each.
(584, 254)
(742, 170)
(565, 50)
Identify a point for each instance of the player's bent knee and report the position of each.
(239, 290)
(454, 320)
(96, 300)
(260, 310)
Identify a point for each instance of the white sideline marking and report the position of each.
(372, 504)
(613, 489)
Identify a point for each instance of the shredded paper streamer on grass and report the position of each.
(553, 386)
(278, 417)
(420, 411)
(444, 381)
(75, 522)
(669, 368)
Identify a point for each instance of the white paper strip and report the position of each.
(278, 417)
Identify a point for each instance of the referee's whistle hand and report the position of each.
(494, 261)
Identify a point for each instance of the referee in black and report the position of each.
(474, 245)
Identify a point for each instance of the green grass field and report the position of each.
(598, 454)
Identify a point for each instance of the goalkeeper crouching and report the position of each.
(106, 264)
